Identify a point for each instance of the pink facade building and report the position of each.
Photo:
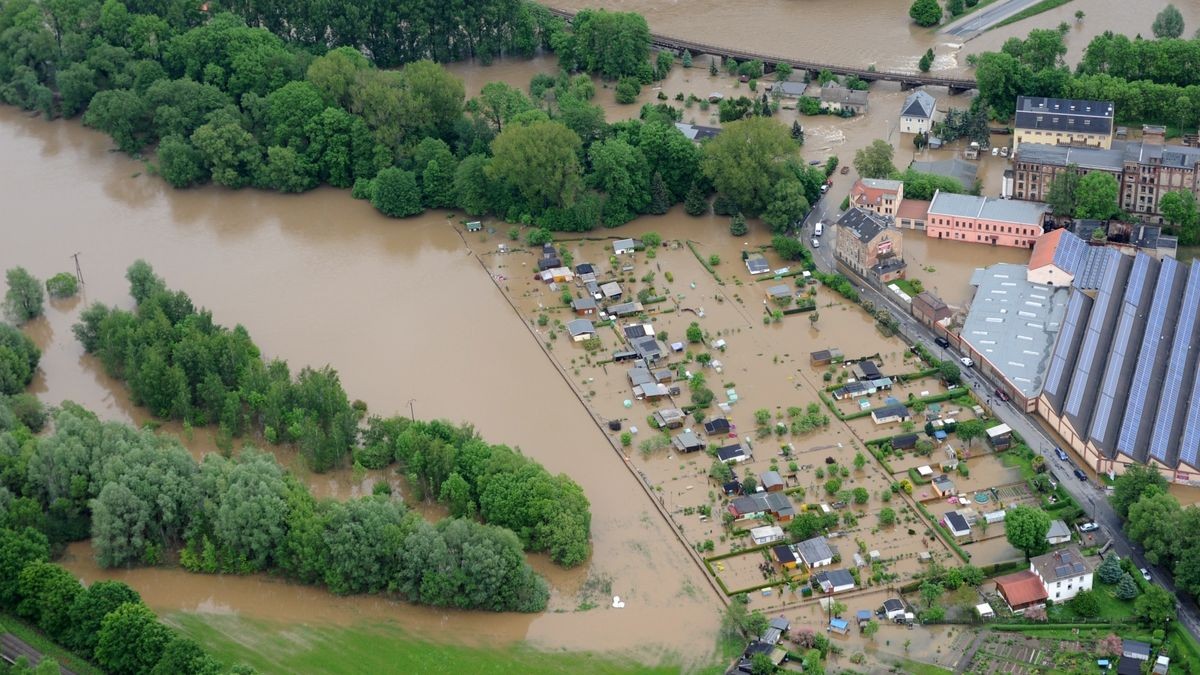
(999, 222)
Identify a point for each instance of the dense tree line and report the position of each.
(140, 496)
(453, 465)
(1148, 80)
(1168, 533)
(18, 360)
(288, 99)
(182, 365)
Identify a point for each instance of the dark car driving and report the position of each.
(941, 342)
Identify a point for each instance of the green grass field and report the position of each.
(372, 647)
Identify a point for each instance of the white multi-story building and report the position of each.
(1064, 573)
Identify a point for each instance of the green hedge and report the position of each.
(917, 479)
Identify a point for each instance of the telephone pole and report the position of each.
(78, 269)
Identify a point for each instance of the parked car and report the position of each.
(845, 170)
(816, 162)
(966, 361)
(1145, 573)
(1002, 395)
(1080, 474)
(941, 342)
(839, 505)
(1088, 527)
(1060, 454)
(824, 188)
(816, 243)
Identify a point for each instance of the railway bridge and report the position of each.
(955, 85)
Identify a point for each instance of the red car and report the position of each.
(1002, 395)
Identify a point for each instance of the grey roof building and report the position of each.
(984, 208)
(790, 89)
(1012, 325)
(959, 169)
(1111, 160)
(687, 442)
(815, 551)
(580, 328)
(649, 348)
(918, 104)
(1064, 115)
(697, 133)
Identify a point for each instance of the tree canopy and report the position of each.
(747, 160)
(875, 160)
(1026, 528)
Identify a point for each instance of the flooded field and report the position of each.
(395, 306)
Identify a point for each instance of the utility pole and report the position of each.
(411, 414)
(78, 269)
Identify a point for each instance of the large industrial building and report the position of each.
(1121, 385)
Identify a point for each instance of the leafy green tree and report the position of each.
(76, 86)
(1001, 78)
(498, 103)
(783, 71)
(970, 430)
(131, 640)
(1137, 480)
(887, 516)
(670, 154)
(788, 205)
(180, 164)
(288, 171)
(1154, 522)
(954, 7)
(1109, 571)
(925, 12)
(1168, 23)
(396, 193)
(1064, 190)
(621, 171)
(926, 61)
(737, 225)
(25, 299)
(18, 549)
(660, 196)
(456, 494)
(930, 592)
(1097, 196)
(746, 161)
(612, 44)
(1155, 606)
(875, 160)
(1026, 528)
(121, 114)
(88, 610)
(47, 592)
(1085, 604)
(972, 575)
(628, 89)
(1179, 208)
(184, 655)
(1127, 588)
(540, 162)
(949, 372)
(696, 204)
(230, 153)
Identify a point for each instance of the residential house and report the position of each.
(1058, 533)
(766, 534)
(760, 503)
(785, 556)
(836, 98)
(1058, 121)
(890, 413)
(584, 269)
(771, 481)
(834, 581)
(789, 91)
(756, 264)
(1064, 572)
(868, 246)
(958, 169)
(732, 454)
(669, 418)
(957, 525)
(999, 222)
(697, 133)
(893, 608)
(878, 195)
(584, 306)
(917, 115)
(687, 442)
(623, 246)
(815, 552)
(779, 293)
(747, 507)
(611, 290)
(581, 329)
(911, 214)
(1021, 590)
(929, 309)
(717, 426)
(943, 486)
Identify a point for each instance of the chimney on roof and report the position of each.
(1154, 135)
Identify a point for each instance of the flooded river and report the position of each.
(398, 307)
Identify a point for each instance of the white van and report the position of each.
(820, 227)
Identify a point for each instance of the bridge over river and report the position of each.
(955, 85)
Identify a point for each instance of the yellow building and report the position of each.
(1060, 121)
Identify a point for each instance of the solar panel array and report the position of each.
(1127, 334)
(1140, 405)
(1070, 253)
(1065, 350)
(1173, 395)
(1189, 443)
(1089, 363)
(1097, 267)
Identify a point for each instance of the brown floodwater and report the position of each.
(400, 308)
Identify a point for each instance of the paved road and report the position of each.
(1087, 494)
(984, 19)
(13, 648)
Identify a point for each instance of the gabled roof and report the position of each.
(730, 451)
(1057, 530)
(791, 88)
(580, 304)
(717, 425)
(863, 223)
(814, 550)
(784, 554)
(893, 605)
(1064, 563)
(835, 578)
(918, 104)
(770, 479)
(957, 524)
(983, 208)
(874, 190)
(832, 93)
(580, 327)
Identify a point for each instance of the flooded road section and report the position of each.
(400, 308)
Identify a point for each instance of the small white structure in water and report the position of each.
(618, 603)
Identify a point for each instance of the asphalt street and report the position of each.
(984, 19)
(1088, 494)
